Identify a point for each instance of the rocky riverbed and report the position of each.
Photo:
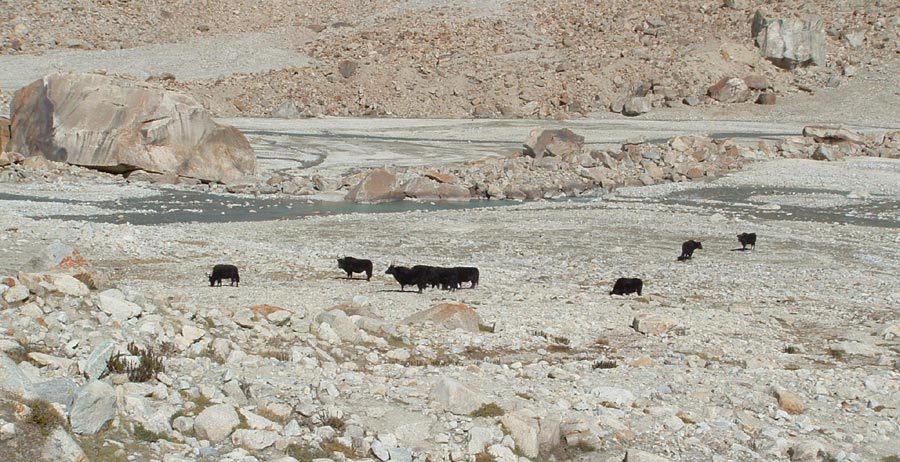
(788, 352)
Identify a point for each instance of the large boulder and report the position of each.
(62, 258)
(545, 142)
(424, 187)
(834, 134)
(730, 90)
(4, 133)
(216, 422)
(119, 125)
(93, 406)
(380, 185)
(449, 315)
(456, 397)
(789, 43)
(12, 380)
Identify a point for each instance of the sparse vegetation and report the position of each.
(488, 410)
(604, 364)
(279, 354)
(44, 415)
(306, 453)
(484, 457)
(142, 434)
(149, 363)
(332, 420)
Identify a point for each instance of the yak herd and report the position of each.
(451, 278)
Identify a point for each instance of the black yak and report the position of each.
(688, 248)
(418, 276)
(747, 239)
(467, 274)
(447, 278)
(220, 272)
(625, 286)
(352, 265)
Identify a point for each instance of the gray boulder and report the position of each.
(120, 125)
(789, 43)
(455, 397)
(60, 447)
(13, 380)
(94, 405)
(636, 105)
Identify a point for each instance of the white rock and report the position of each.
(524, 427)
(398, 354)
(68, 285)
(481, 437)
(113, 303)
(255, 440)
(16, 293)
(653, 323)
(618, 397)
(191, 333)
(12, 379)
(60, 447)
(456, 397)
(502, 454)
(215, 423)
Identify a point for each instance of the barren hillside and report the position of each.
(544, 58)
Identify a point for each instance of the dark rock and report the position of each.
(766, 99)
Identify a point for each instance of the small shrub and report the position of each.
(45, 416)
(540, 333)
(148, 365)
(488, 410)
(306, 453)
(557, 348)
(142, 434)
(332, 420)
(604, 365)
(484, 457)
(333, 446)
(280, 355)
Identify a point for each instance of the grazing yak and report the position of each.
(747, 239)
(688, 248)
(625, 286)
(220, 272)
(440, 276)
(352, 265)
(418, 276)
(467, 274)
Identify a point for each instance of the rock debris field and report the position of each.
(788, 352)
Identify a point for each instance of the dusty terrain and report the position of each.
(789, 352)
(746, 323)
